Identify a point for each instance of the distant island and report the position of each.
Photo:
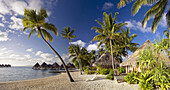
(55, 65)
(5, 65)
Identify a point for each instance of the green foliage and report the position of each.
(154, 71)
(145, 80)
(130, 78)
(121, 69)
(36, 23)
(105, 71)
(162, 76)
(102, 71)
(110, 76)
(87, 71)
(156, 11)
(147, 59)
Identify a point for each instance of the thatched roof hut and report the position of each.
(61, 67)
(132, 60)
(44, 65)
(69, 65)
(37, 65)
(105, 61)
(55, 65)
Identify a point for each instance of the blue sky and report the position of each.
(17, 50)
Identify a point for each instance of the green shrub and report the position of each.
(103, 71)
(146, 81)
(110, 76)
(121, 69)
(87, 71)
(130, 78)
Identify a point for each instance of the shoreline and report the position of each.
(61, 82)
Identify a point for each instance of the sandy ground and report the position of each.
(61, 82)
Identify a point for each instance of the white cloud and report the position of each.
(136, 25)
(5, 52)
(4, 9)
(163, 21)
(79, 42)
(46, 56)
(1, 24)
(29, 50)
(3, 36)
(27, 56)
(38, 53)
(3, 49)
(18, 7)
(107, 5)
(16, 24)
(14, 55)
(92, 47)
(65, 58)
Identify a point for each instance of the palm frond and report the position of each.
(47, 35)
(32, 32)
(50, 27)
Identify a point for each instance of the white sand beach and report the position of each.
(61, 82)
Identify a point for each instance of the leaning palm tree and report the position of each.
(36, 23)
(126, 41)
(68, 34)
(108, 31)
(155, 11)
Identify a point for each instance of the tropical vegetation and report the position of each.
(68, 34)
(108, 32)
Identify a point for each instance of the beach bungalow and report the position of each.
(70, 66)
(105, 61)
(44, 65)
(36, 66)
(55, 66)
(131, 62)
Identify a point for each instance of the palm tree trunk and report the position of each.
(68, 73)
(79, 61)
(126, 52)
(112, 54)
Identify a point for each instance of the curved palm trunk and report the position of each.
(112, 54)
(79, 61)
(68, 73)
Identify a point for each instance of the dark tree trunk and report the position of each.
(68, 73)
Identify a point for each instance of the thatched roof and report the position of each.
(37, 65)
(44, 64)
(55, 65)
(132, 60)
(105, 61)
(69, 65)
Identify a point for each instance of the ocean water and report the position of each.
(22, 73)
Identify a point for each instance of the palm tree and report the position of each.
(36, 23)
(92, 57)
(108, 31)
(126, 41)
(68, 34)
(101, 51)
(155, 11)
(81, 54)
